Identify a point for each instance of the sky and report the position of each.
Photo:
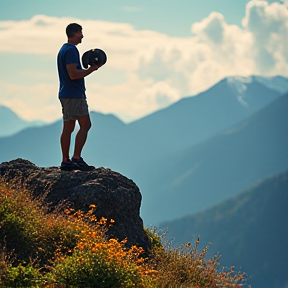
(158, 51)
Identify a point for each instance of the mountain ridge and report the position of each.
(249, 230)
(233, 160)
(276, 83)
(11, 123)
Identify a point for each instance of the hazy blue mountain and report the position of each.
(41, 145)
(195, 119)
(11, 123)
(185, 123)
(250, 231)
(218, 168)
(278, 83)
(179, 126)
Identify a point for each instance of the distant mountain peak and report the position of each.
(240, 84)
(11, 123)
(7, 111)
(277, 83)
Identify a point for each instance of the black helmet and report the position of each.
(94, 56)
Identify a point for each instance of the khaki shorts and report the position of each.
(73, 108)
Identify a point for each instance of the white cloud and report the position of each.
(268, 25)
(36, 101)
(211, 28)
(147, 70)
(156, 96)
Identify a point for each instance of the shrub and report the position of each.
(27, 230)
(71, 250)
(186, 267)
(21, 276)
(98, 262)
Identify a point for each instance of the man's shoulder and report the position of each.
(67, 46)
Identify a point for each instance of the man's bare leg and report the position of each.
(85, 125)
(65, 139)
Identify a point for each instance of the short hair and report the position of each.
(72, 29)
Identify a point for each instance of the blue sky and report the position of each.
(158, 51)
(170, 17)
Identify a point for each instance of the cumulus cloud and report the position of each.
(158, 95)
(268, 25)
(211, 28)
(35, 101)
(148, 70)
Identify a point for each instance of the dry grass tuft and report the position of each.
(69, 249)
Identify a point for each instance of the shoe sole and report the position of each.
(69, 168)
(86, 168)
(65, 169)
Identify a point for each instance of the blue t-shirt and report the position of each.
(68, 88)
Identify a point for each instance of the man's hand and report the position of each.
(95, 67)
(75, 73)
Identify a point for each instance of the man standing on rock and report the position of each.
(73, 99)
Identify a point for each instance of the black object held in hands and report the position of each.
(94, 56)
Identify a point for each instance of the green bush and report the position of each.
(21, 277)
(96, 261)
(71, 250)
(27, 230)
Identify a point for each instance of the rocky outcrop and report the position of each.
(115, 196)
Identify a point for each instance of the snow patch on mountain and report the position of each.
(238, 85)
(278, 83)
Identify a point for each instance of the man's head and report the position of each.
(74, 33)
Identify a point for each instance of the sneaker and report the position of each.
(83, 166)
(69, 166)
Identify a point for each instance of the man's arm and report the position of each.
(75, 73)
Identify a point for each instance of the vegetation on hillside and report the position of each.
(254, 225)
(67, 248)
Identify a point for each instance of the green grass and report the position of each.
(67, 248)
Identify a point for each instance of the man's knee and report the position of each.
(86, 126)
(68, 127)
(85, 123)
(89, 125)
(68, 130)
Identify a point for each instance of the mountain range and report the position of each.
(188, 156)
(11, 123)
(222, 166)
(249, 230)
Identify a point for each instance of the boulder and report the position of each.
(115, 196)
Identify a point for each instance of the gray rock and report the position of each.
(115, 196)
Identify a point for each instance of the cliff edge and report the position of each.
(115, 196)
